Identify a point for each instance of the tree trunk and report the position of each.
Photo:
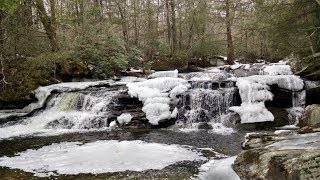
(174, 26)
(230, 56)
(122, 12)
(48, 24)
(190, 32)
(2, 39)
(27, 13)
(2, 32)
(168, 25)
(135, 22)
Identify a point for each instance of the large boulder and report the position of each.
(281, 155)
(311, 116)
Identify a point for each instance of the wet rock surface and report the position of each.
(280, 155)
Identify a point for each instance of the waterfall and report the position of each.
(206, 102)
(298, 105)
(67, 112)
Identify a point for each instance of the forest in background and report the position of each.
(50, 41)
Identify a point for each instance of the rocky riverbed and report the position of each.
(168, 125)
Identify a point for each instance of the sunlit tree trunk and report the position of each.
(230, 56)
(48, 23)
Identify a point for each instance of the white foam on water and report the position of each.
(217, 128)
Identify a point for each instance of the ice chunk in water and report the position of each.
(124, 118)
(99, 157)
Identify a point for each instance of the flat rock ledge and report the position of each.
(284, 154)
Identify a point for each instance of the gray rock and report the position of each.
(284, 155)
(311, 116)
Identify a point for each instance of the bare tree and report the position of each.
(230, 57)
(48, 23)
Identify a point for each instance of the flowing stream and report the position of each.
(75, 130)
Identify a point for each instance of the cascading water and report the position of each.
(207, 101)
(298, 105)
(198, 100)
(204, 105)
(67, 112)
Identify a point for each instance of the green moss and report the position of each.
(26, 74)
(69, 101)
(165, 62)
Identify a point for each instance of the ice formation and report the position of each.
(173, 74)
(99, 157)
(255, 90)
(157, 95)
(126, 80)
(205, 76)
(236, 66)
(277, 70)
(124, 118)
(253, 95)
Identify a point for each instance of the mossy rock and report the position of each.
(311, 116)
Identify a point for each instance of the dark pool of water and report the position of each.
(226, 144)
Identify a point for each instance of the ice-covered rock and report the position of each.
(255, 91)
(173, 74)
(206, 76)
(124, 118)
(157, 95)
(277, 70)
(42, 93)
(66, 112)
